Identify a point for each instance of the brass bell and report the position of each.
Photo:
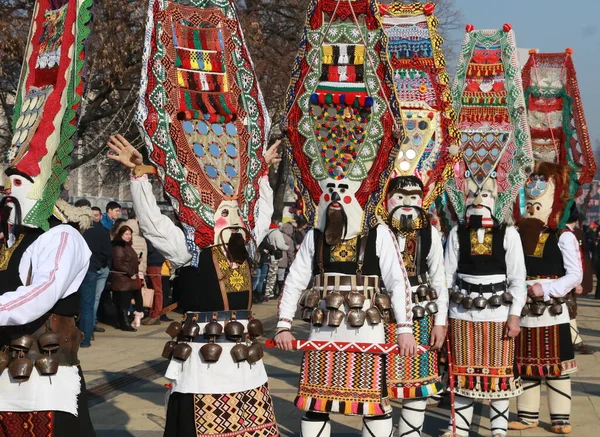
(49, 341)
(213, 329)
(356, 318)
(21, 368)
(422, 291)
(382, 301)
(191, 330)
(255, 328)
(167, 352)
(318, 317)
(507, 298)
(239, 352)
(457, 297)
(355, 300)
(182, 351)
(480, 302)
(174, 329)
(418, 312)
(47, 365)
(538, 308)
(4, 360)
(431, 308)
(22, 343)
(495, 301)
(334, 300)
(234, 330)
(556, 309)
(312, 299)
(306, 314)
(211, 352)
(255, 353)
(335, 318)
(467, 302)
(433, 294)
(373, 316)
(525, 310)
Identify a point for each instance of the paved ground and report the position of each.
(123, 372)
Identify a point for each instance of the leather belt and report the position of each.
(346, 281)
(221, 316)
(418, 279)
(481, 288)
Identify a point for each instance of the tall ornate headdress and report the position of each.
(492, 119)
(430, 147)
(342, 117)
(201, 112)
(559, 131)
(48, 101)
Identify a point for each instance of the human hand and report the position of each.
(535, 290)
(283, 340)
(407, 344)
(125, 153)
(438, 336)
(512, 327)
(273, 155)
(579, 289)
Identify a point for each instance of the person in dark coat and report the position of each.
(124, 278)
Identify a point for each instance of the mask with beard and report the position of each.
(336, 225)
(235, 246)
(406, 223)
(10, 211)
(530, 230)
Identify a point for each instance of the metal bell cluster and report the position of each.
(424, 293)
(537, 307)
(20, 365)
(246, 348)
(480, 302)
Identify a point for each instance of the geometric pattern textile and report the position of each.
(34, 424)
(242, 414)
(559, 132)
(341, 114)
(494, 132)
(415, 376)
(48, 100)
(201, 113)
(349, 383)
(430, 147)
(483, 360)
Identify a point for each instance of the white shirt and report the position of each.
(515, 277)
(569, 248)
(169, 239)
(437, 275)
(59, 261)
(392, 272)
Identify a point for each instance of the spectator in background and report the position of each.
(288, 256)
(113, 212)
(124, 279)
(155, 262)
(138, 243)
(300, 232)
(275, 238)
(260, 273)
(118, 223)
(96, 214)
(98, 241)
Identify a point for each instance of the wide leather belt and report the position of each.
(482, 288)
(418, 279)
(336, 281)
(219, 316)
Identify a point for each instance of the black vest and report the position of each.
(332, 263)
(550, 263)
(200, 289)
(492, 262)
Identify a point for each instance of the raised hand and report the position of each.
(273, 154)
(124, 152)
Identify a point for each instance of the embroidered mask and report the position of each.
(481, 201)
(539, 195)
(227, 216)
(341, 195)
(406, 201)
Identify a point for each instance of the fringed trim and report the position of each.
(487, 385)
(423, 391)
(540, 370)
(347, 408)
(569, 367)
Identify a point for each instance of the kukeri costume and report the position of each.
(425, 159)
(340, 116)
(43, 262)
(564, 161)
(205, 134)
(484, 258)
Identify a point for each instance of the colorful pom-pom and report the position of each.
(369, 102)
(430, 115)
(532, 51)
(507, 27)
(469, 28)
(314, 99)
(569, 51)
(429, 8)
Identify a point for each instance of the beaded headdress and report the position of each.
(342, 117)
(48, 102)
(430, 147)
(559, 131)
(492, 119)
(201, 112)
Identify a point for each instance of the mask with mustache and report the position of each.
(335, 227)
(406, 222)
(236, 246)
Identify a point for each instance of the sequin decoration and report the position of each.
(415, 85)
(418, 142)
(481, 152)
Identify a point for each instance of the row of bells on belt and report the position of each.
(421, 294)
(480, 302)
(537, 307)
(20, 366)
(211, 351)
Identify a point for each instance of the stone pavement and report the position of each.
(127, 395)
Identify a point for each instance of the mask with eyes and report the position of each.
(404, 202)
(18, 190)
(228, 218)
(339, 213)
(539, 197)
(480, 203)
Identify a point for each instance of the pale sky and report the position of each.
(550, 26)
